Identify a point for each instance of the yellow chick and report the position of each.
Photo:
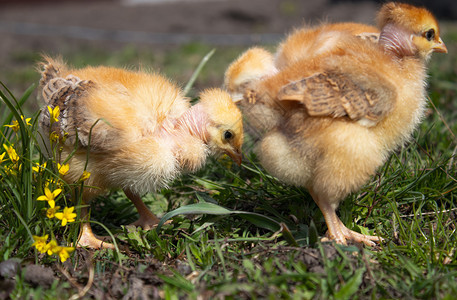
(334, 116)
(136, 129)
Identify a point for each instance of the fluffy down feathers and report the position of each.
(416, 19)
(305, 43)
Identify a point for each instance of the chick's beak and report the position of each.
(440, 47)
(236, 156)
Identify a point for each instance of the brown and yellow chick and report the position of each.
(136, 129)
(335, 116)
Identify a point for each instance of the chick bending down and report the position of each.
(331, 115)
(135, 130)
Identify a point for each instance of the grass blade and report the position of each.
(214, 209)
(192, 209)
(197, 71)
(351, 287)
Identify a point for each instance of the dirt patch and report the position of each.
(143, 277)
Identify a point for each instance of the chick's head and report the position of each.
(225, 126)
(252, 65)
(418, 22)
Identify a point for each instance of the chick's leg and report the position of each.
(337, 231)
(147, 219)
(331, 219)
(86, 237)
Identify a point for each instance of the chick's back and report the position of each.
(136, 104)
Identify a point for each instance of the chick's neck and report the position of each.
(194, 122)
(397, 40)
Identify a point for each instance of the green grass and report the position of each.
(411, 202)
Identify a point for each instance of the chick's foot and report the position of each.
(88, 239)
(147, 223)
(147, 219)
(341, 234)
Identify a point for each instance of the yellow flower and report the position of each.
(38, 167)
(52, 247)
(63, 169)
(63, 252)
(53, 182)
(14, 126)
(10, 170)
(11, 153)
(54, 137)
(54, 114)
(65, 136)
(67, 216)
(27, 121)
(51, 211)
(2, 156)
(40, 243)
(84, 176)
(50, 196)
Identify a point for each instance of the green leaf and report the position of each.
(288, 235)
(178, 281)
(135, 236)
(351, 287)
(192, 209)
(202, 197)
(260, 220)
(313, 235)
(214, 209)
(209, 185)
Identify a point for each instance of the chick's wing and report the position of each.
(333, 94)
(75, 123)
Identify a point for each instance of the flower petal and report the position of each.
(56, 192)
(42, 198)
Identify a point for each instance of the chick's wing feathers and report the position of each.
(50, 69)
(57, 89)
(331, 94)
(74, 122)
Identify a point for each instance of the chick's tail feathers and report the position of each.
(66, 92)
(50, 68)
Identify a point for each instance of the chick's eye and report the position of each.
(430, 35)
(228, 135)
